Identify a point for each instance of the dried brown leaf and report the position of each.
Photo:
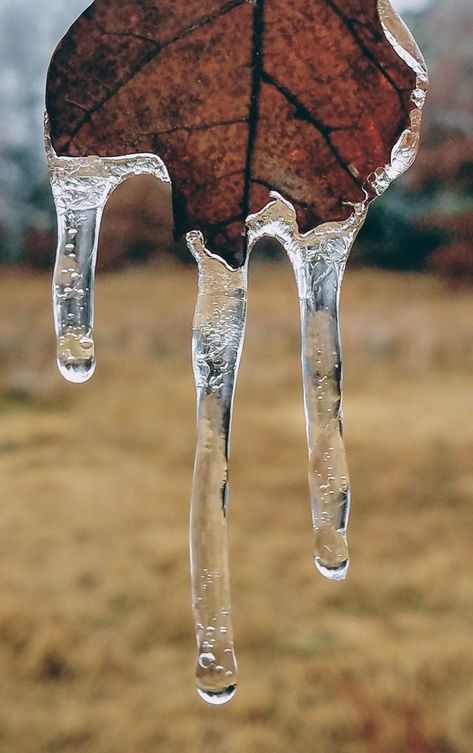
(306, 97)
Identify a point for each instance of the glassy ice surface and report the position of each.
(81, 187)
(73, 281)
(217, 341)
(318, 259)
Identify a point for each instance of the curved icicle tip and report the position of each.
(217, 698)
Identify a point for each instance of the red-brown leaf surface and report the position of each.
(306, 97)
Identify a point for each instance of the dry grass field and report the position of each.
(96, 641)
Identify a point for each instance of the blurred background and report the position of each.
(96, 641)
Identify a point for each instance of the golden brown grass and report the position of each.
(96, 643)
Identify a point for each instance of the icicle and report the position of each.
(318, 259)
(217, 341)
(73, 282)
(81, 187)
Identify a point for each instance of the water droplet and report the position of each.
(339, 572)
(331, 553)
(77, 373)
(76, 355)
(217, 697)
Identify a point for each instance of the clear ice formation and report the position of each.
(318, 259)
(217, 340)
(81, 187)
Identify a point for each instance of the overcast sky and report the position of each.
(401, 5)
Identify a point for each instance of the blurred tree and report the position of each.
(425, 218)
(453, 261)
(393, 235)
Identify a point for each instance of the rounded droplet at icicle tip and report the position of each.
(216, 675)
(76, 372)
(337, 572)
(217, 697)
(331, 552)
(76, 355)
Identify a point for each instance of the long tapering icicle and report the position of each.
(81, 187)
(318, 259)
(318, 279)
(217, 340)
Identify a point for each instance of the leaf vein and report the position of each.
(306, 115)
(230, 5)
(257, 66)
(356, 37)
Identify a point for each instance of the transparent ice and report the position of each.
(318, 259)
(81, 187)
(217, 340)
